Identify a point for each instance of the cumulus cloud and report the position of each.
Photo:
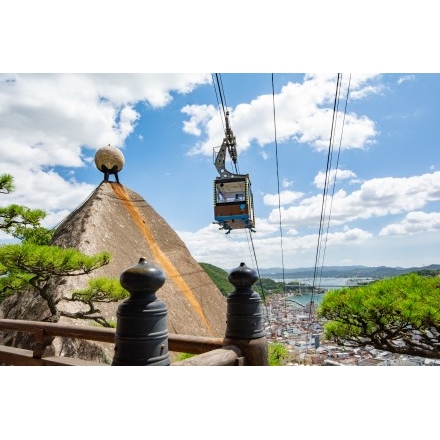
(414, 223)
(320, 178)
(50, 118)
(231, 251)
(285, 198)
(304, 114)
(375, 198)
(55, 120)
(45, 189)
(199, 115)
(48, 122)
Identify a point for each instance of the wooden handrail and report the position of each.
(63, 330)
(177, 343)
(193, 344)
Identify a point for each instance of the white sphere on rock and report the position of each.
(109, 159)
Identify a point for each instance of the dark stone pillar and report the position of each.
(244, 327)
(141, 330)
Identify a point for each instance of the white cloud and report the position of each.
(414, 223)
(264, 154)
(232, 249)
(375, 198)
(60, 120)
(320, 178)
(285, 198)
(127, 120)
(286, 183)
(45, 190)
(304, 114)
(404, 78)
(48, 119)
(51, 120)
(199, 115)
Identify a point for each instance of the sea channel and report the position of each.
(323, 284)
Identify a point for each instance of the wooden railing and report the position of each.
(45, 332)
(141, 336)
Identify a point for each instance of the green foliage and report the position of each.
(278, 354)
(219, 278)
(34, 235)
(183, 356)
(43, 261)
(14, 218)
(428, 272)
(34, 265)
(21, 222)
(26, 265)
(6, 183)
(11, 283)
(267, 286)
(400, 315)
(101, 290)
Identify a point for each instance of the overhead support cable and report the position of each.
(224, 115)
(218, 102)
(335, 173)
(278, 179)
(327, 175)
(325, 197)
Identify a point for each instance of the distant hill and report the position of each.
(378, 272)
(220, 276)
(346, 271)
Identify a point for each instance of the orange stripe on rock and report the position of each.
(169, 268)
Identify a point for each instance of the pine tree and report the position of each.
(33, 265)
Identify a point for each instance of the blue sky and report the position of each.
(385, 209)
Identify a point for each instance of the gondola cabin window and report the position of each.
(230, 191)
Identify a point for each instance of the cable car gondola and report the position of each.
(233, 201)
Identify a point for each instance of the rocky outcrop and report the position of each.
(116, 219)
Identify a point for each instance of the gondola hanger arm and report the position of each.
(229, 145)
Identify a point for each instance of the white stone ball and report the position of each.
(110, 157)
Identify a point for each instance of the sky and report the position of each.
(380, 147)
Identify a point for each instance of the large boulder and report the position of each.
(116, 219)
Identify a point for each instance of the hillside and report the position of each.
(346, 271)
(220, 276)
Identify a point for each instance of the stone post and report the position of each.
(244, 326)
(141, 330)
